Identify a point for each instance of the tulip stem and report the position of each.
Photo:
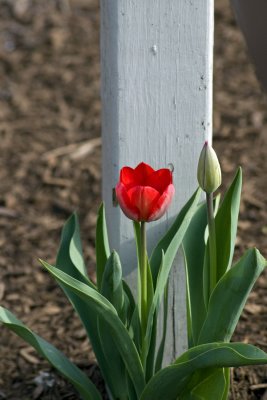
(143, 276)
(212, 242)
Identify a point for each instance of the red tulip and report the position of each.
(143, 193)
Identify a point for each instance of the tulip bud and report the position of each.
(209, 172)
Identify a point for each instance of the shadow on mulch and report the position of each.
(50, 165)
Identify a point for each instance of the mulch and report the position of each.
(50, 165)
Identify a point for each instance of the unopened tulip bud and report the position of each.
(209, 171)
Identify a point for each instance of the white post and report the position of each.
(156, 61)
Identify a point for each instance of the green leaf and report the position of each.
(129, 302)
(152, 313)
(229, 297)
(160, 353)
(150, 360)
(119, 375)
(101, 307)
(135, 329)
(210, 386)
(149, 365)
(171, 382)
(102, 245)
(70, 257)
(194, 251)
(227, 378)
(161, 264)
(112, 290)
(131, 392)
(208, 383)
(76, 252)
(112, 287)
(80, 381)
(171, 241)
(89, 319)
(226, 222)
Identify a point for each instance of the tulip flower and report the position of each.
(144, 194)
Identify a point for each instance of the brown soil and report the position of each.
(49, 94)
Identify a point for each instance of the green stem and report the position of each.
(212, 242)
(143, 276)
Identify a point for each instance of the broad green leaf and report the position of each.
(58, 360)
(194, 251)
(131, 392)
(109, 348)
(102, 245)
(70, 250)
(170, 382)
(112, 290)
(76, 252)
(89, 319)
(171, 241)
(226, 225)
(161, 265)
(208, 383)
(112, 287)
(101, 307)
(229, 297)
(211, 386)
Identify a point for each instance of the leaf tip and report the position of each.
(101, 208)
(239, 173)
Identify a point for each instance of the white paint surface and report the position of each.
(156, 61)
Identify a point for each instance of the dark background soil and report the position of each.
(50, 164)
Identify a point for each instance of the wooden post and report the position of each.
(156, 61)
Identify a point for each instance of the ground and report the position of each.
(49, 95)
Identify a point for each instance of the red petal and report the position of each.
(142, 173)
(160, 179)
(125, 203)
(144, 198)
(162, 204)
(127, 177)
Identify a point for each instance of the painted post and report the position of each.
(156, 59)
